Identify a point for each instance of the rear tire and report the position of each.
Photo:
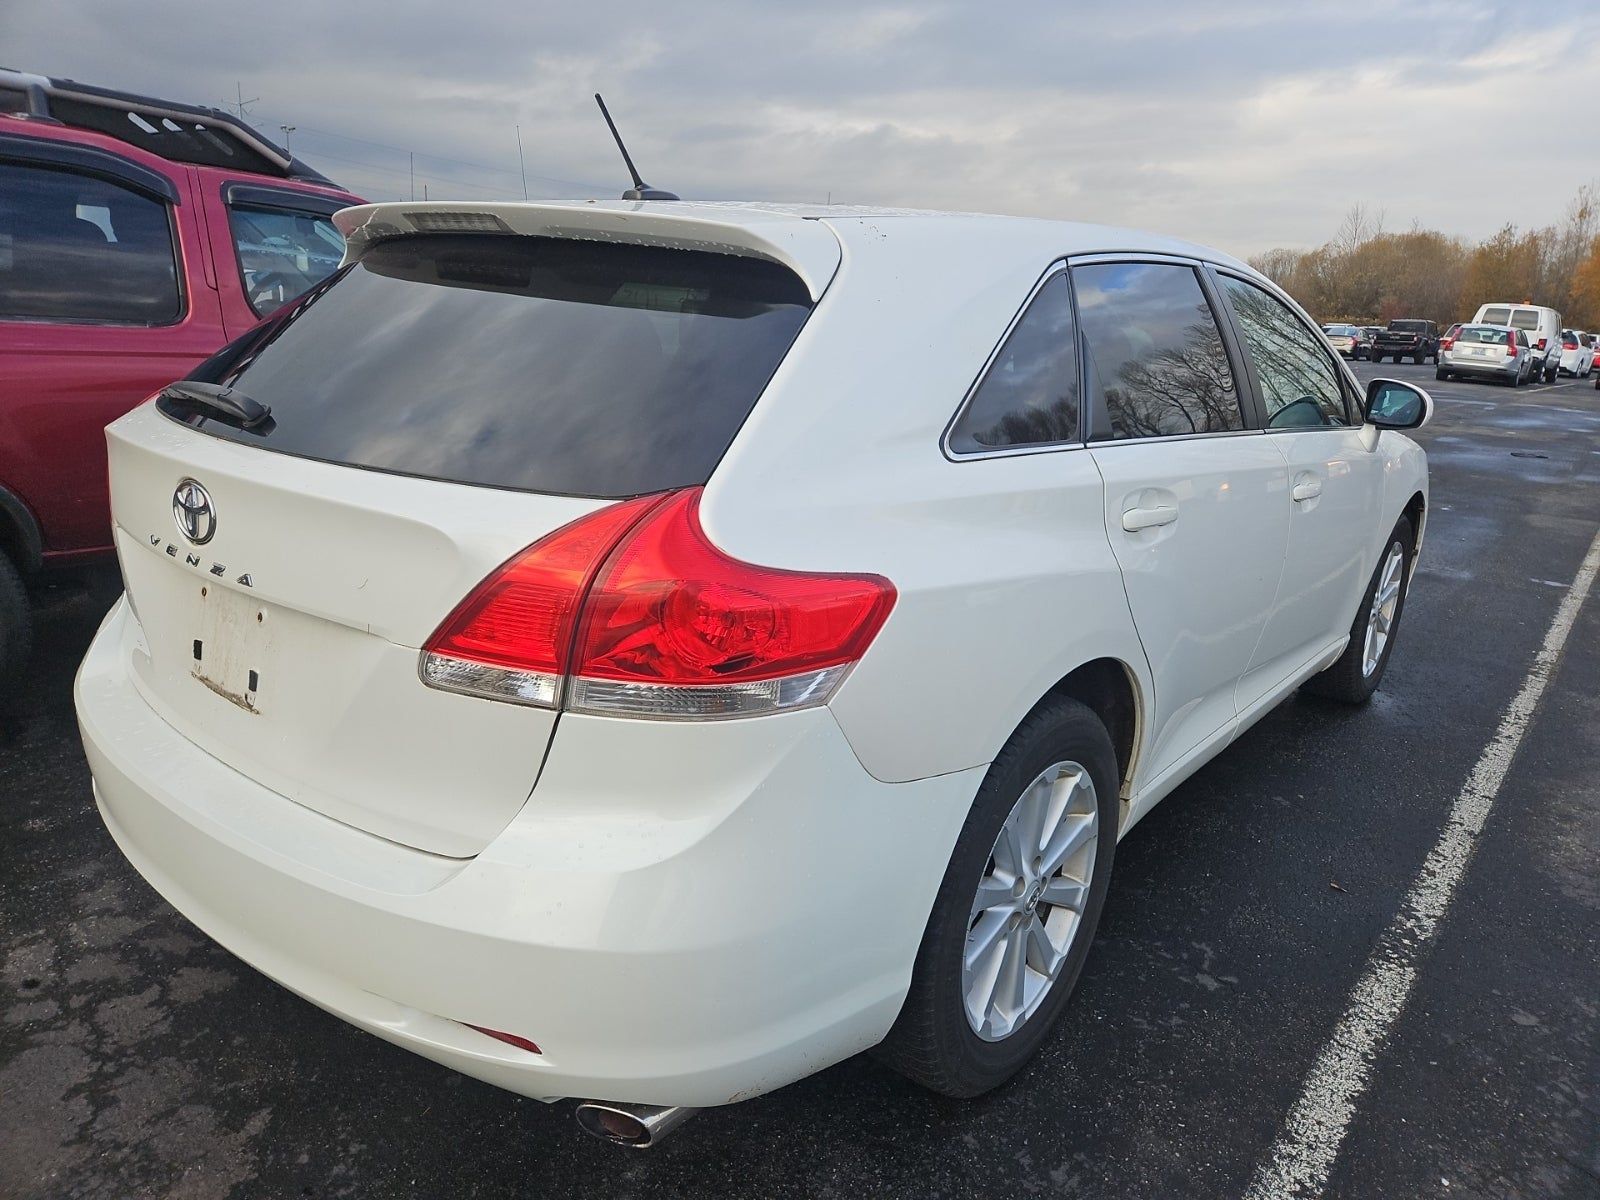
(933, 1040)
(16, 626)
(1375, 357)
(1441, 373)
(1356, 673)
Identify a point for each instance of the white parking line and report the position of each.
(1309, 1141)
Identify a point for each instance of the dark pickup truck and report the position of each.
(1416, 340)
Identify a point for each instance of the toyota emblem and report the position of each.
(192, 510)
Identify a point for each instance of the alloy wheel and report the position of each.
(1028, 907)
(1385, 606)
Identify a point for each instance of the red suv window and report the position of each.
(81, 249)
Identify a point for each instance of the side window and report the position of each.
(1156, 358)
(74, 248)
(1299, 383)
(283, 253)
(1029, 395)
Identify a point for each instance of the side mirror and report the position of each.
(1392, 404)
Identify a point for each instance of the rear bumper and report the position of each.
(1505, 368)
(684, 914)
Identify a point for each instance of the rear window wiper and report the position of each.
(223, 401)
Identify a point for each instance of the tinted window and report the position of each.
(577, 367)
(1409, 326)
(1497, 316)
(1523, 318)
(1156, 360)
(1299, 383)
(1029, 395)
(79, 249)
(283, 253)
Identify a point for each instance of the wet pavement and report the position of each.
(139, 1059)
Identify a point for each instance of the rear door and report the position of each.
(271, 243)
(435, 409)
(1197, 507)
(1335, 484)
(102, 300)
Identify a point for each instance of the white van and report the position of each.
(1543, 326)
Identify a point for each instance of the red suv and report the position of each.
(136, 237)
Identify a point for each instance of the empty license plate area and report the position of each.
(232, 644)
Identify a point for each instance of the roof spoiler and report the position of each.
(807, 247)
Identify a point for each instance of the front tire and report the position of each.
(1356, 673)
(1016, 913)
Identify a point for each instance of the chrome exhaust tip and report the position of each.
(636, 1126)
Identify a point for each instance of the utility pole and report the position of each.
(522, 164)
(287, 130)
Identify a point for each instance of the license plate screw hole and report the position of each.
(197, 649)
(202, 593)
(260, 617)
(255, 681)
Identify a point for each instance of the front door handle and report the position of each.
(1135, 519)
(1307, 489)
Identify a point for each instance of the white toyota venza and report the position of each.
(648, 652)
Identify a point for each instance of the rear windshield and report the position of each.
(539, 364)
(1525, 318)
(1339, 330)
(1409, 326)
(1483, 335)
(1497, 316)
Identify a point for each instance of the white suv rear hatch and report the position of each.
(435, 408)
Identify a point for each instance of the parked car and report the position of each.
(1542, 325)
(1577, 352)
(1348, 340)
(1371, 332)
(681, 694)
(138, 236)
(1407, 338)
(1495, 352)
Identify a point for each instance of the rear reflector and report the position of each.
(631, 611)
(510, 1039)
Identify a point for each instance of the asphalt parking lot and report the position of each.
(139, 1059)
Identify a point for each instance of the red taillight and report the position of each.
(1569, 345)
(636, 612)
(1447, 343)
(509, 639)
(510, 1039)
(1541, 344)
(675, 627)
(1511, 345)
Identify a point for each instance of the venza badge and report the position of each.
(192, 510)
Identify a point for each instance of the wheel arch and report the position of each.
(1110, 689)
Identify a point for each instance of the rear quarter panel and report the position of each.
(1005, 576)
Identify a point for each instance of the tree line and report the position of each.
(1366, 275)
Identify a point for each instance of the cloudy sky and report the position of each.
(1240, 123)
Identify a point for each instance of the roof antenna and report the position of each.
(640, 189)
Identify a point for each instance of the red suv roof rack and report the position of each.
(174, 131)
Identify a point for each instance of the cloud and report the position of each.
(1243, 124)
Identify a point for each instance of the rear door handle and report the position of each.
(1307, 489)
(1135, 519)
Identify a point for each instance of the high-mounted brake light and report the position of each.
(631, 611)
